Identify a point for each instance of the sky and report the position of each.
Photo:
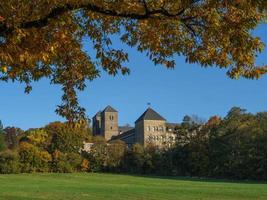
(186, 90)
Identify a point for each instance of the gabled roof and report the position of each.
(109, 109)
(97, 114)
(150, 114)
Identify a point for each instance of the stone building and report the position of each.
(105, 123)
(150, 128)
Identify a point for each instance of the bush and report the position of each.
(66, 162)
(9, 162)
(32, 159)
(75, 160)
(65, 137)
(2, 141)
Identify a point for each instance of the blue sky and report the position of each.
(187, 89)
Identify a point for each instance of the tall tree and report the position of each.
(2, 138)
(44, 38)
(12, 135)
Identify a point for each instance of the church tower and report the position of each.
(97, 124)
(109, 123)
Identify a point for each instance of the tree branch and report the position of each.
(58, 11)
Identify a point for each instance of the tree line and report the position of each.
(233, 147)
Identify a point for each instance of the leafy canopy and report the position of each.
(44, 38)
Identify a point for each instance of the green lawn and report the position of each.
(81, 186)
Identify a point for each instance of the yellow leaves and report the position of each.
(256, 73)
(45, 58)
(26, 58)
(209, 33)
(4, 69)
(52, 49)
(22, 58)
(37, 136)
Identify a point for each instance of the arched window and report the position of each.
(111, 117)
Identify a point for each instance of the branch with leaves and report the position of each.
(45, 38)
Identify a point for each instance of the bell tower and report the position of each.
(109, 123)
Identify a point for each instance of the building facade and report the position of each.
(105, 123)
(150, 128)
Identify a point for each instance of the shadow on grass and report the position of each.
(195, 179)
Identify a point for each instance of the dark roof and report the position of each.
(150, 114)
(124, 134)
(109, 109)
(123, 129)
(97, 114)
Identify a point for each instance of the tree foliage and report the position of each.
(232, 147)
(12, 135)
(44, 38)
(65, 138)
(2, 138)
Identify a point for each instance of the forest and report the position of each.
(232, 147)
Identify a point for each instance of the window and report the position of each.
(111, 117)
(111, 128)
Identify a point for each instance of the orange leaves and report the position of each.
(45, 38)
(256, 73)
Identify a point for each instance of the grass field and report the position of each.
(122, 187)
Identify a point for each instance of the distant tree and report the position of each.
(193, 120)
(213, 121)
(235, 112)
(2, 138)
(38, 137)
(44, 38)
(32, 159)
(98, 155)
(138, 160)
(12, 135)
(65, 137)
(115, 153)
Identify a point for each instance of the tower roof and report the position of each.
(109, 109)
(97, 114)
(150, 114)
